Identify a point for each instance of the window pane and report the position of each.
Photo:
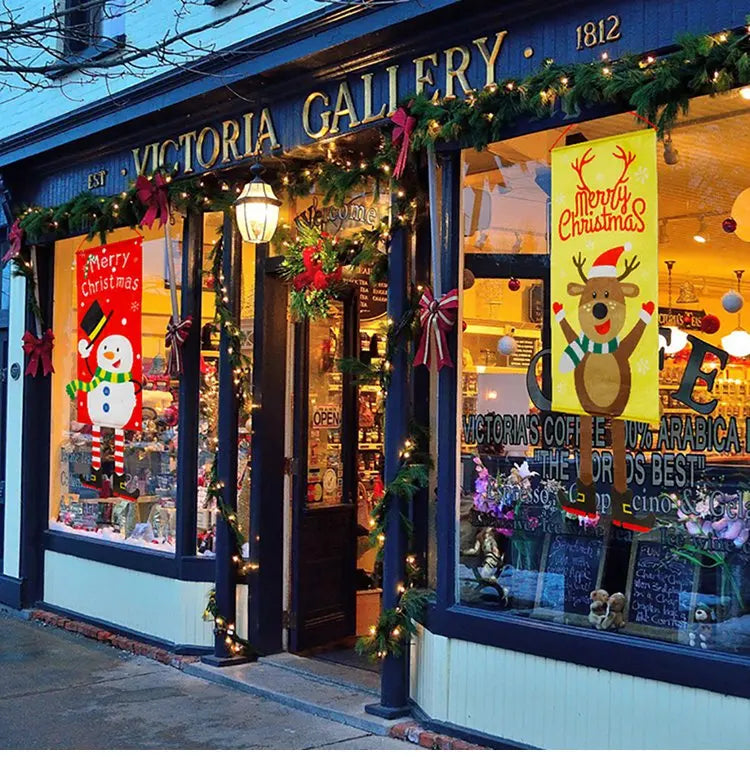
(685, 577)
(115, 430)
(324, 459)
(208, 436)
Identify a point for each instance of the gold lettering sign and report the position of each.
(356, 102)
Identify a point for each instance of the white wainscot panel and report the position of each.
(156, 606)
(558, 705)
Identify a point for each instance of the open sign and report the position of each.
(326, 416)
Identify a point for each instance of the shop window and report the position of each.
(684, 577)
(208, 438)
(115, 414)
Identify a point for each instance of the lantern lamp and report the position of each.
(257, 209)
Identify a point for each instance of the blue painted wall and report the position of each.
(645, 26)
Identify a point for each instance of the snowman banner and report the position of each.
(107, 388)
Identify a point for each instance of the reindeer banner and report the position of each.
(605, 278)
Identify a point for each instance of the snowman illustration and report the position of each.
(110, 395)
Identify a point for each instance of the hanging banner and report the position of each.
(604, 280)
(109, 286)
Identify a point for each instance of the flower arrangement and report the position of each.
(715, 514)
(314, 263)
(501, 496)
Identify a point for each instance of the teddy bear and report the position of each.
(615, 616)
(701, 630)
(598, 607)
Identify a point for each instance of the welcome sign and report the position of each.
(605, 359)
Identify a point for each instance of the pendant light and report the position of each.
(737, 344)
(677, 337)
(257, 209)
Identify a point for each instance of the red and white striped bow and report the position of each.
(437, 318)
(177, 333)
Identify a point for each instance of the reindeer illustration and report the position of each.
(600, 360)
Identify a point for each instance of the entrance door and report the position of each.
(324, 510)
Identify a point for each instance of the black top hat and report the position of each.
(94, 321)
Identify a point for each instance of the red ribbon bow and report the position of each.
(404, 127)
(153, 196)
(15, 238)
(177, 333)
(314, 276)
(437, 318)
(39, 351)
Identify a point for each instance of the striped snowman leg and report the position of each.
(96, 447)
(119, 451)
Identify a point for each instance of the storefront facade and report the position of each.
(621, 605)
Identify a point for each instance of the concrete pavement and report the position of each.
(59, 690)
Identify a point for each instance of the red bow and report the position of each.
(314, 276)
(153, 196)
(404, 127)
(39, 350)
(177, 333)
(15, 238)
(437, 318)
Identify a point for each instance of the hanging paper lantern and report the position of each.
(732, 301)
(507, 345)
(468, 279)
(710, 324)
(741, 215)
(729, 225)
(514, 284)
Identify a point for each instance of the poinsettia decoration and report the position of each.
(314, 263)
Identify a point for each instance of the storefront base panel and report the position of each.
(160, 608)
(549, 704)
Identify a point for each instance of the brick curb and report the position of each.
(114, 640)
(414, 733)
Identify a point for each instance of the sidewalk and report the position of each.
(64, 691)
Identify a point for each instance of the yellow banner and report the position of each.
(604, 271)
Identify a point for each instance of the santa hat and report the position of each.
(605, 266)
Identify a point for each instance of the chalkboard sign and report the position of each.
(661, 587)
(570, 573)
(373, 298)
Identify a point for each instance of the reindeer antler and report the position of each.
(579, 262)
(627, 160)
(579, 164)
(630, 266)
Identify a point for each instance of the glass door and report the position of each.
(324, 509)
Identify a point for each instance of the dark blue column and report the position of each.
(187, 449)
(394, 691)
(225, 545)
(447, 430)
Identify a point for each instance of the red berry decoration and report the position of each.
(710, 324)
(730, 226)
(514, 284)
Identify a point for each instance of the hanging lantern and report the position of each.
(710, 324)
(257, 209)
(737, 344)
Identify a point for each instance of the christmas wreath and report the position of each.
(314, 263)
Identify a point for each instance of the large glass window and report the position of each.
(684, 577)
(115, 414)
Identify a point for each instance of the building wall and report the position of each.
(14, 435)
(160, 607)
(143, 27)
(558, 705)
